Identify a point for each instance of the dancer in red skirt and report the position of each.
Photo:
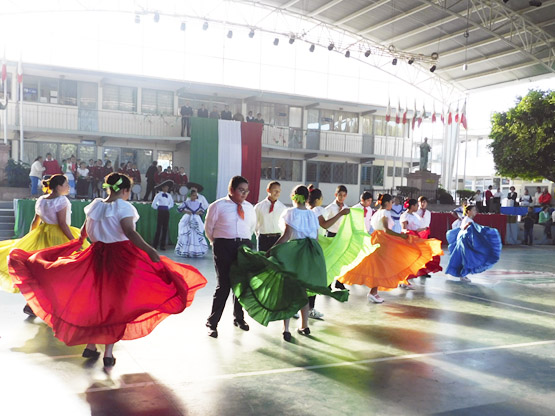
(118, 288)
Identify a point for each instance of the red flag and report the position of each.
(449, 116)
(443, 115)
(463, 116)
(414, 116)
(388, 112)
(398, 113)
(457, 114)
(434, 114)
(405, 114)
(422, 115)
(4, 69)
(19, 72)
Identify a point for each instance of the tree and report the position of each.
(524, 137)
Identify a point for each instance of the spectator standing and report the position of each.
(202, 112)
(226, 114)
(259, 119)
(496, 201)
(526, 199)
(529, 219)
(238, 116)
(150, 180)
(537, 196)
(512, 197)
(214, 113)
(545, 197)
(52, 167)
(250, 118)
(135, 174)
(97, 175)
(478, 198)
(186, 114)
(489, 199)
(36, 175)
(82, 181)
(545, 221)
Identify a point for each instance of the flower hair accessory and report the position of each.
(406, 204)
(115, 186)
(299, 199)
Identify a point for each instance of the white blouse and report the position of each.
(466, 221)
(414, 221)
(103, 220)
(377, 223)
(47, 209)
(320, 211)
(303, 222)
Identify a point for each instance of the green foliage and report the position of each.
(465, 193)
(524, 138)
(444, 197)
(17, 174)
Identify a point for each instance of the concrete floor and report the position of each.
(447, 348)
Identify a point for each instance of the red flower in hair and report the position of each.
(406, 204)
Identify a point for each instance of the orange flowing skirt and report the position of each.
(393, 261)
(433, 265)
(104, 293)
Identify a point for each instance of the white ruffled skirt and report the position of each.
(191, 241)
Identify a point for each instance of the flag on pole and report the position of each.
(388, 111)
(422, 115)
(449, 115)
(457, 114)
(463, 116)
(20, 72)
(434, 114)
(443, 114)
(414, 116)
(405, 114)
(4, 69)
(398, 113)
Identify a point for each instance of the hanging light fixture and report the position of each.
(230, 34)
(348, 54)
(137, 18)
(367, 53)
(411, 60)
(394, 62)
(433, 68)
(156, 17)
(205, 26)
(331, 46)
(276, 42)
(312, 47)
(251, 34)
(183, 26)
(291, 39)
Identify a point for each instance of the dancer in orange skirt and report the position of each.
(118, 288)
(398, 256)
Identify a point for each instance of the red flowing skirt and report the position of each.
(104, 293)
(433, 265)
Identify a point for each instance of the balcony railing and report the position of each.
(65, 118)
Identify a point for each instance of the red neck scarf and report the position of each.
(272, 203)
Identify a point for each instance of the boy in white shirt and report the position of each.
(331, 211)
(366, 203)
(268, 212)
(162, 202)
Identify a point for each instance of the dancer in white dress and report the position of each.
(191, 241)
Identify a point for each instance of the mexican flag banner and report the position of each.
(221, 149)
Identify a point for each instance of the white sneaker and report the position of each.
(314, 314)
(465, 279)
(406, 287)
(375, 298)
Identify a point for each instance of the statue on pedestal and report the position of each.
(425, 148)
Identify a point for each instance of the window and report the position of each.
(68, 92)
(328, 172)
(272, 113)
(31, 89)
(8, 89)
(165, 159)
(85, 152)
(48, 91)
(143, 158)
(67, 150)
(117, 97)
(157, 102)
(372, 175)
(281, 169)
(398, 171)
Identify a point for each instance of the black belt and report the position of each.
(233, 239)
(271, 235)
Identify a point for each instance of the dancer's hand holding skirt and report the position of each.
(276, 287)
(103, 294)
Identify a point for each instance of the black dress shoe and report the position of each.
(88, 353)
(305, 331)
(241, 324)
(287, 336)
(339, 285)
(27, 309)
(109, 361)
(212, 331)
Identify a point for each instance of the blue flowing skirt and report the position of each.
(473, 250)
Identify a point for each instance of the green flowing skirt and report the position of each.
(276, 287)
(349, 247)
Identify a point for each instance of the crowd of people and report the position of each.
(490, 200)
(86, 179)
(119, 287)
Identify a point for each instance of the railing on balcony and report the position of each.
(64, 118)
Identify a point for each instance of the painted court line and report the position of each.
(339, 364)
(491, 301)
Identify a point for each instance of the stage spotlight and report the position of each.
(156, 17)
(465, 67)
(331, 46)
(251, 34)
(291, 40)
(394, 62)
(230, 34)
(347, 54)
(411, 61)
(432, 68)
(205, 26)
(434, 55)
(137, 18)
(535, 3)
(367, 53)
(183, 26)
(276, 42)
(312, 47)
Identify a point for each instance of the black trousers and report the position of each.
(225, 253)
(330, 234)
(149, 190)
(161, 228)
(266, 241)
(185, 126)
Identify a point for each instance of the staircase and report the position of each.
(7, 220)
